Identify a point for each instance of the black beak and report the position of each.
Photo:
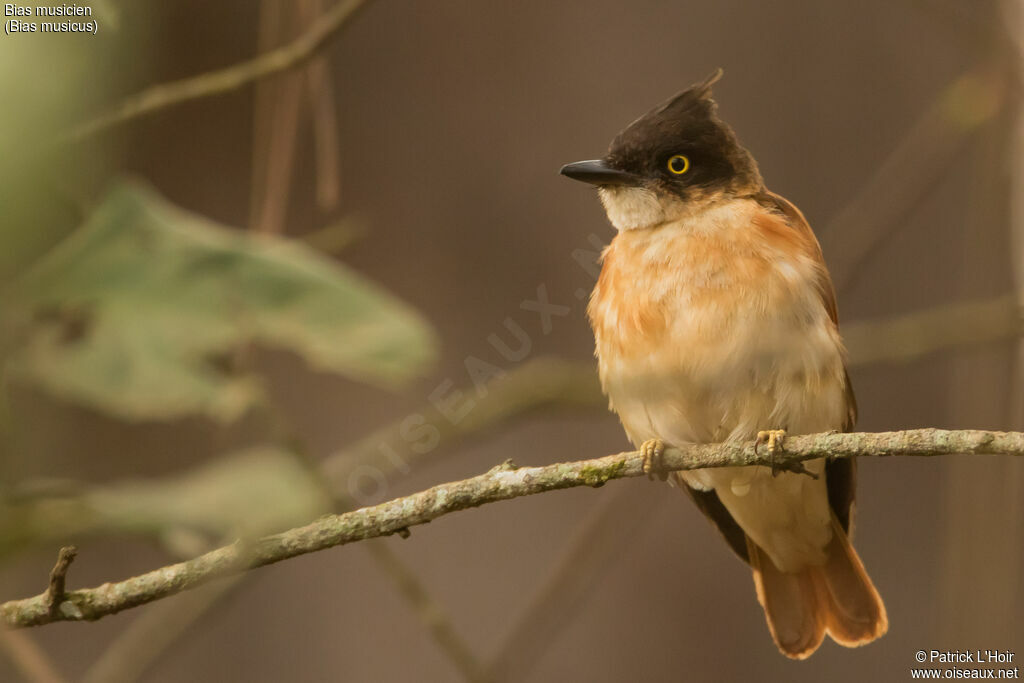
(596, 172)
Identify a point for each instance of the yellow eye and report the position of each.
(678, 164)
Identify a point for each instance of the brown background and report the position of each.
(454, 117)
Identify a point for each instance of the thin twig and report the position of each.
(429, 611)
(976, 559)
(602, 538)
(1013, 14)
(276, 174)
(501, 483)
(228, 79)
(58, 577)
(958, 325)
(325, 127)
(28, 658)
(539, 384)
(867, 221)
(266, 92)
(280, 137)
(142, 642)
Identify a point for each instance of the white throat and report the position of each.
(635, 208)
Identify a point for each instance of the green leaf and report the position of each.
(145, 311)
(246, 494)
(250, 493)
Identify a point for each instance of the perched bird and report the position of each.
(715, 320)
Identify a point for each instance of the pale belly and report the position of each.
(716, 377)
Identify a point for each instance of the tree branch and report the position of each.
(225, 80)
(906, 337)
(54, 594)
(503, 482)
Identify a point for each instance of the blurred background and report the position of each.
(309, 289)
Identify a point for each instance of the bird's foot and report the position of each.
(773, 439)
(652, 450)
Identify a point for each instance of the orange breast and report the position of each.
(648, 275)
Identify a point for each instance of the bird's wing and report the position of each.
(841, 472)
(710, 504)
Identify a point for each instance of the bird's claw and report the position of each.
(773, 439)
(652, 450)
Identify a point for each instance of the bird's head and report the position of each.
(674, 159)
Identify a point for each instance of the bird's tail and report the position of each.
(836, 598)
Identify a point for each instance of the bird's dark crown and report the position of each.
(686, 124)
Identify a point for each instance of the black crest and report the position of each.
(686, 124)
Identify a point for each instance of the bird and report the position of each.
(715, 320)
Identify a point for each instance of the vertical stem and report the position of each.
(325, 128)
(1013, 11)
(980, 583)
(277, 119)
